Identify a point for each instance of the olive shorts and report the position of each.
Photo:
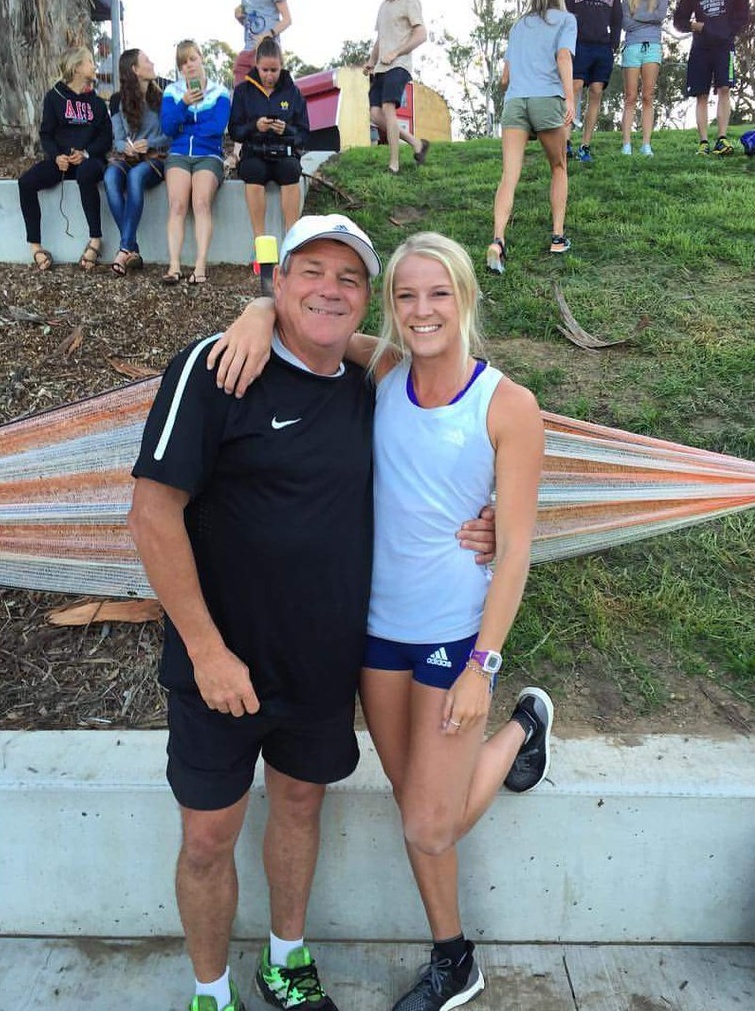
(534, 114)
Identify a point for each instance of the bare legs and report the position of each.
(199, 189)
(178, 187)
(206, 882)
(554, 145)
(514, 142)
(255, 204)
(207, 887)
(723, 111)
(648, 74)
(204, 188)
(594, 98)
(292, 841)
(384, 117)
(442, 783)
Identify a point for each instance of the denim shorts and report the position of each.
(640, 53)
(437, 664)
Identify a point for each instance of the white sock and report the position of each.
(220, 989)
(280, 949)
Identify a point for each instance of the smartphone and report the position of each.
(195, 84)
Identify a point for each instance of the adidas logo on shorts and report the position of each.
(439, 658)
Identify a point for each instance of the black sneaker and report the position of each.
(442, 986)
(533, 712)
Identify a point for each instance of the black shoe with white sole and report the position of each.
(442, 985)
(534, 714)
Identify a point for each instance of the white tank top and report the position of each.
(434, 468)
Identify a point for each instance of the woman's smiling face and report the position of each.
(425, 306)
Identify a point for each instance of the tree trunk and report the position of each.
(33, 36)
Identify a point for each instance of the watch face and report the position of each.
(492, 662)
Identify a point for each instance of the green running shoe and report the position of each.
(295, 985)
(205, 1003)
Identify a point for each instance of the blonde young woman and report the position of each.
(194, 114)
(76, 135)
(641, 58)
(448, 428)
(537, 76)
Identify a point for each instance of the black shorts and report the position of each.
(258, 171)
(388, 87)
(710, 66)
(212, 755)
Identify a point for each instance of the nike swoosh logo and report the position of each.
(283, 424)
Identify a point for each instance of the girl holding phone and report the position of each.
(194, 115)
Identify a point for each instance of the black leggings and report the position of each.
(46, 174)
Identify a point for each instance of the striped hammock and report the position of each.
(65, 489)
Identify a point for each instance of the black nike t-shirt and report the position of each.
(280, 521)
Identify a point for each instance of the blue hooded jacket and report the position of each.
(196, 130)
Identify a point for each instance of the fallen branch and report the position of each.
(573, 331)
(349, 200)
(133, 611)
(130, 370)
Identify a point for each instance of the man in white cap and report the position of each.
(237, 508)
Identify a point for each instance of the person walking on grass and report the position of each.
(400, 30)
(537, 76)
(237, 506)
(641, 59)
(715, 25)
(598, 34)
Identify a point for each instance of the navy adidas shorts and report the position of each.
(437, 664)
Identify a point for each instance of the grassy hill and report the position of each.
(663, 256)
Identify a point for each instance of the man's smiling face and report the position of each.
(320, 301)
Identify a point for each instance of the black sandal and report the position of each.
(171, 278)
(120, 267)
(45, 262)
(496, 262)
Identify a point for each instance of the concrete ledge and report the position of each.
(636, 840)
(232, 240)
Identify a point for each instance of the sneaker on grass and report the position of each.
(626, 148)
(441, 985)
(583, 153)
(647, 150)
(294, 985)
(205, 1003)
(722, 148)
(534, 714)
(703, 147)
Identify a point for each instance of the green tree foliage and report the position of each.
(744, 96)
(353, 54)
(476, 64)
(297, 67)
(218, 58)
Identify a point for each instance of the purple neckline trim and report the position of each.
(413, 396)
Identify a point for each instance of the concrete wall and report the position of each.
(232, 240)
(646, 839)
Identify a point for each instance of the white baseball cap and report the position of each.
(331, 226)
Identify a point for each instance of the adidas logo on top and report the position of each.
(439, 658)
